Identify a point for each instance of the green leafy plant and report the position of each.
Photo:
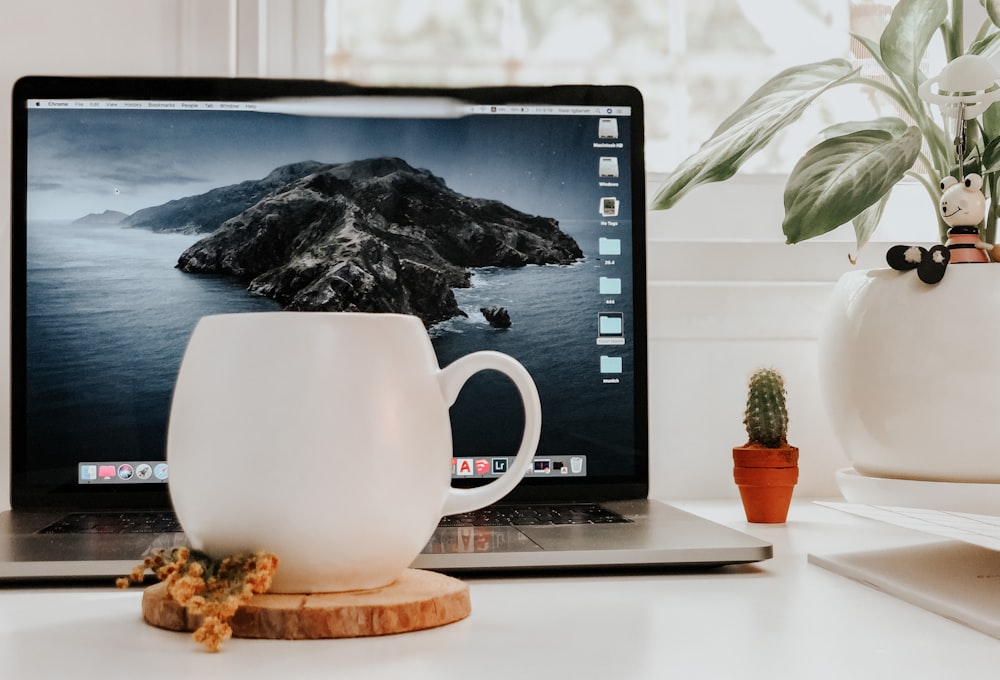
(849, 176)
(766, 415)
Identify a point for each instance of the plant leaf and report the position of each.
(894, 126)
(867, 221)
(991, 122)
(779, 102)
(992, 10)
(908, 33)
(987, 46)
(991, 156)
(839, 178)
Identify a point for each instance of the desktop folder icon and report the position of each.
(610, 324)
(611, 364)
(610, 286)
(609, 246)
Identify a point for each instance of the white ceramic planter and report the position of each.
(910, 373)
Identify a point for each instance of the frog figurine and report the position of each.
(963, 207)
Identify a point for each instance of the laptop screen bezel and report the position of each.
(25, 496)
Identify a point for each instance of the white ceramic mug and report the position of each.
(324, 438)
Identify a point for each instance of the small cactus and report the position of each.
(766, 416)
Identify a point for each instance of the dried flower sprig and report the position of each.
(212, 589)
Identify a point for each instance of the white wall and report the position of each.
(114, 37)
(726, 296)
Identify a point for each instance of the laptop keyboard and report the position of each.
(160, 522)
(534, 515)
(152, 522)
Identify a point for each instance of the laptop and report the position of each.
(117, 185)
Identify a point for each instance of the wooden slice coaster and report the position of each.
(417, 600)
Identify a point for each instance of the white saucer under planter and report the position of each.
(971, 497)
(910, 373)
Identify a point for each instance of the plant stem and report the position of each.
(993, 182)
(930, 185)
(930, 131)
(984, 30)
(933, 179)
(956, 45)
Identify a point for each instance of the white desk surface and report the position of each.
(783, 618)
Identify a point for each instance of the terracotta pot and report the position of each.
(766, 478)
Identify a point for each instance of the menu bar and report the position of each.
(388, 107)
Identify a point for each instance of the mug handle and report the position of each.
(452, 378)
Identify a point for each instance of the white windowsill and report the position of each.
(731, 231)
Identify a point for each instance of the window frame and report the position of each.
(285, 38)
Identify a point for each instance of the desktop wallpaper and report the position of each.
(141, 222)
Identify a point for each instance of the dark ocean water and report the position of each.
(109, 317)
(554, 329)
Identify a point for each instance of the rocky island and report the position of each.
(373, 235)
(496, 316)
(205, 212)
(111, 217)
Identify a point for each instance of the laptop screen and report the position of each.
(511, 219)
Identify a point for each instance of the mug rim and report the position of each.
(317, 314)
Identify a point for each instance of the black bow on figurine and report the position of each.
(929, 263)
